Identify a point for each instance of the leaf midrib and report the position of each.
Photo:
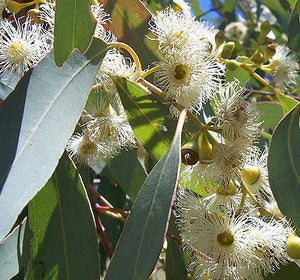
(51, 105)
(152, 203)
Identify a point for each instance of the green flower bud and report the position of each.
(265, 28)
(228, 49)
(293, 246)
(219, 38)
(205, 148)
(257, 58)
(269, 51)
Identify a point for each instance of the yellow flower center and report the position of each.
(16, 52)
(251, 175)
(225, 238)
(180, 72)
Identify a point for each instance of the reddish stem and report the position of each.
(100, 208)
(100, 228)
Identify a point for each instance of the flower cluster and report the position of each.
(236, 230)
(26, 40)
(229, 244)
(188, 71)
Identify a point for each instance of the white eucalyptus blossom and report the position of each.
(236, 116)
(255, 172)
(84, 149)
(284, 67)
(228, 245)
(47, 14)
(223, 239)
(101, 19)
(176, 31)
(189, 78)
(237, 30)
(114, 64)
(182, 6)
(22, 46)
(226, 160)
(268, 242)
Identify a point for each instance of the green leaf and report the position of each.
(11, 113)
(287, 103)
(290, 272)
(142, 238)
(73, 29)
(175, 266)
(269, 114)
(279, 12)
(55, 98)
(129, 22)
(241, 74)
(293, 29)
(128, 172)
(284, 165)
(154, 5)
(228, 6)
(10, 252)
(64, 243)
(196, 8)
(147, 116)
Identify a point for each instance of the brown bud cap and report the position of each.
(190, 152)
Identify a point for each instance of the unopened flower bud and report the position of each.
(15, 7)
(227, 188)
(293, 246)
(228, 49)
(190, 152)
(34, 14)
(265, 28)
(219, 38)
(205, 148)
(269, 51)
(258, 58)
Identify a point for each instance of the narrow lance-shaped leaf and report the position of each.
(64, 243)
(55, 98)
(142, 238)
(74, 28)
(284, 165)
(148, 117)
